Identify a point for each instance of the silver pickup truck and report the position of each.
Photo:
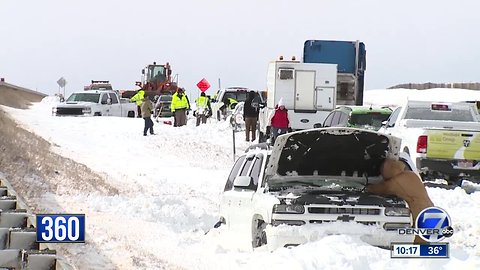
(95, 103)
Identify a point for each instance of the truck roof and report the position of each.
(424, 103)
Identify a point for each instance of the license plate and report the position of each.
(465, 164)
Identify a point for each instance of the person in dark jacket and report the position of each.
(147, 108)
(250, 114)
(279, 122)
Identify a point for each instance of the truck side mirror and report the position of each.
(242, 181)
(143, 71)
(109, 101)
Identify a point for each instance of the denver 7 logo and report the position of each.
(432, 223)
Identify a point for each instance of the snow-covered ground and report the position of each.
(169, 187)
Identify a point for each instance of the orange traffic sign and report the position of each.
(203, 85)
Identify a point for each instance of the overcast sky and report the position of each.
(406, 41)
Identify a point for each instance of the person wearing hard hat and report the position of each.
(137, 98)
(180, 106)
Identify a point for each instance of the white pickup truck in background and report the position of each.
(95, 103)
(442, 138)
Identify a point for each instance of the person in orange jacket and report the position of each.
(403, 184)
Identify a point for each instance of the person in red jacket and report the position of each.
(279, 123)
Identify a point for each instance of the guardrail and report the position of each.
(18, 246)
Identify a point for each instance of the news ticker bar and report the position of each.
(60, 228)
(433, 250)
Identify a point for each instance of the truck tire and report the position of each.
(259, 236)
(455, 181)
(131, 114)
(97, 114)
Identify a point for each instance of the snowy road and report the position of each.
(168, 192)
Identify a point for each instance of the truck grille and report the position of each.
(327, 221)
(344, 210)
(69, 111)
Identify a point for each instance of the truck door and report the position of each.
(105, 107)
(116, 107)
(305, 90)
(325, 98)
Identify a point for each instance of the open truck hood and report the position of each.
(331, 153)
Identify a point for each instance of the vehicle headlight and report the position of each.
(288, 209)
(276, 222)
(396, 226)
(54, 110)
(238, 119)
(397, 211)
(87, 110)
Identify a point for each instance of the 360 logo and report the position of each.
(433, 224)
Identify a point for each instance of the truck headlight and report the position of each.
(288, 209)
(276, 222)
(238, 119)
(397, 211)
(87, 110)
(396, 226)
(54, 110)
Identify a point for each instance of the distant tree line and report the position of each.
(429, 85)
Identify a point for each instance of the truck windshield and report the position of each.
(156, 73)
(87, 97)
(240, 96)
(460, 114)
(165, 98)
(370, 119)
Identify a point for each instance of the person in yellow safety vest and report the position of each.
(137, 98)
(231, 103)
(203, 108)
(180, 106)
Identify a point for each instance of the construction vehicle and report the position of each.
(156, 81)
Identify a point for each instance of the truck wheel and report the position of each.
(131, 114)
(259, 236)
(455, 181)
(261, 137)
(97, 114)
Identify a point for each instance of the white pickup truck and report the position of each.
(442, 138)
(95, 103)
